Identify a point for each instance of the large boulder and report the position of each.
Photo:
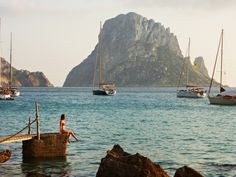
(186, 172)
(119, 163)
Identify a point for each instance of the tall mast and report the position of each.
(188, 58)
(10, 81)
(100, 59)
(221, 60)
(217, 53)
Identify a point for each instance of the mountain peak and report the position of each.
(135, 51)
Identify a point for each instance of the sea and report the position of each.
(170, 131)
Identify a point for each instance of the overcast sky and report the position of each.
(54, 36)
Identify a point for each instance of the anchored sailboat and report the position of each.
(223, 97)
(103, 88)
(14, 91)
(4, 92)
(190, 91)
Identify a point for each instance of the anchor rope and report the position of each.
(1, 141)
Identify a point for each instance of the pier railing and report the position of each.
(17, 137)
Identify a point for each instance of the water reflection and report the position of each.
(46, 167)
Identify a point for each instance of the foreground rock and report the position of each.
(187, 172)
(119, 163)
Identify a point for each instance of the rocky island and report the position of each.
(137, 51)
(22, 78)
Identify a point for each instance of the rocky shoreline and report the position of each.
(118, 163)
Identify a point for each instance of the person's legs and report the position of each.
(72, 133)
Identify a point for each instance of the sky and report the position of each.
(53, 36)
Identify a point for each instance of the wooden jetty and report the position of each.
(17, 138)
(46, 145)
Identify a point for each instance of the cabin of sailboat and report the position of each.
(190, 91)
(223, 97)
(103, 87)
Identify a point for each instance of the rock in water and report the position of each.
(135, 51)
(119, 163)
(186, 172)
(5, 156)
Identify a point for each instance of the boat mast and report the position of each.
(100, 59)
(10, 81)
(221, 60)
(188, 58)
(184, 66)
(217, 53)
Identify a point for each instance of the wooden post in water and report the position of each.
(29, 128)
(37, 120)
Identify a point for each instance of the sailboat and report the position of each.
(4, 92)
(14, 91)
(103, 87)
(190, 91)
(223, 97)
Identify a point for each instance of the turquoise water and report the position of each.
(152, 121)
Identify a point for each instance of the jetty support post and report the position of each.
(37, 120)
(29, 126)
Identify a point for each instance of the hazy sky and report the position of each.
(53, 36)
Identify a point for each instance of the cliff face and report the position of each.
(135, 51)
(23, 78)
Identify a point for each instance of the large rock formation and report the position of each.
(199, 66)
(22, 78)
(118, 163)
(136, 51)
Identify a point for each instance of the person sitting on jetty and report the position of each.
(63, 128)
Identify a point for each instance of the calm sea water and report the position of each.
(152, 121)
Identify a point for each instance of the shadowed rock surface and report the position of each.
(186, 172)
(119, 163)
(136, 51)
(23, 78)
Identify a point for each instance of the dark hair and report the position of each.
(63, 116)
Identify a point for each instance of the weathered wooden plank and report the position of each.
(17, 138)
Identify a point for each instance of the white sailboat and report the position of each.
(190, 91)
(13, 90)
(103, 88)
(223, 97)
(4, 92)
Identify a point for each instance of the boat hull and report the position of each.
(104, 92)
(6, 97)
(222, 100)
(190, 94)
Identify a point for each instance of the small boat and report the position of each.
(13, 90)
(190, 91)
(5, 94)
(5, 155)
(223, 97)
(103, 88)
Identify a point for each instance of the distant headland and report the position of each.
(22, 78)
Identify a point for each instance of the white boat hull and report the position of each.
(5, 96)
(190, 94)
(222, 100)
